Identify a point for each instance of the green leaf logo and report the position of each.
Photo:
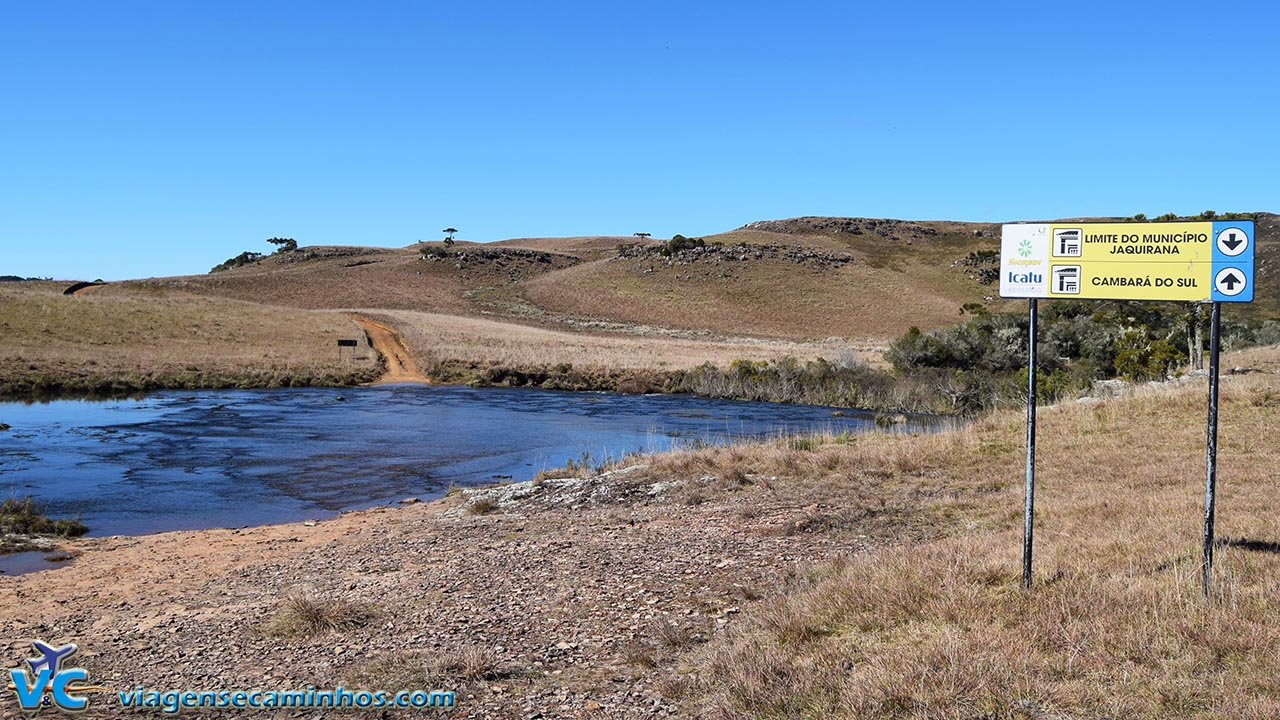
(1024, 249)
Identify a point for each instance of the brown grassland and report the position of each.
(886, 288)
(891, 282)
(620, 312)
(936, 625)
(125, 339)
(436, 338)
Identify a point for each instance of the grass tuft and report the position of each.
(27, 517)
(23, 522)
(304, 614)
(472, 662)
(482, 506)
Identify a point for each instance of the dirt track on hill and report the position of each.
(386, 340)
(83, 288)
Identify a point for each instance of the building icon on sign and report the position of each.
(1066, 279)
(1067, 242)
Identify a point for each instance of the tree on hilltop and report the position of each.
(448, 237)
(284, 244)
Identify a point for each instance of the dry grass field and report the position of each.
(126, 338)
(869, 289)
(934, 624)
(436, 338)
(332, 277)
(810, 283)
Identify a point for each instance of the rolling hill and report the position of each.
(840, 288)
(801, 279)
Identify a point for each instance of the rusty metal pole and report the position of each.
(1211, 461)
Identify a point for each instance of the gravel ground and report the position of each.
(555, 599)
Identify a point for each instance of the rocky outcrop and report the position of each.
(886, 228)
(717, 254)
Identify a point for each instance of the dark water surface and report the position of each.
(183, 460)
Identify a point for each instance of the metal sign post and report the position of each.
(1028, 520)
(1211, 463)
(347, 343)
(1184, 261)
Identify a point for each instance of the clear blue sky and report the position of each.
(159, 138)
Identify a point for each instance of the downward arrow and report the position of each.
(1231, 242)
(1231, 281)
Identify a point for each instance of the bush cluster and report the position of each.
(680, 242)
(243, 258)
(786, 379)
(1079, 342)
(27, 517)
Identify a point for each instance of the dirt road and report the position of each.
(386, 340)
(83, 288)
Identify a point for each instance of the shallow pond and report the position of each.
(183, 460)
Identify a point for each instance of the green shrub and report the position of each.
(243, 258)
(23, 520)
(680, 242)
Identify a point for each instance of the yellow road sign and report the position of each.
(1181, 261)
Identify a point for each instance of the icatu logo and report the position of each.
(45, 683)
(1026, 278)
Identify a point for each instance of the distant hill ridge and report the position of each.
(804, 278)
(882, 227)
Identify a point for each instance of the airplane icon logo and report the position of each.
(50, 657)
(48, 683)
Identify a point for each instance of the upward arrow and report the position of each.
(1231, 242)
(1231, 281)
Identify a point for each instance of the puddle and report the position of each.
(21, 563)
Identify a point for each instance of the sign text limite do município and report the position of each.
(1205, 261)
